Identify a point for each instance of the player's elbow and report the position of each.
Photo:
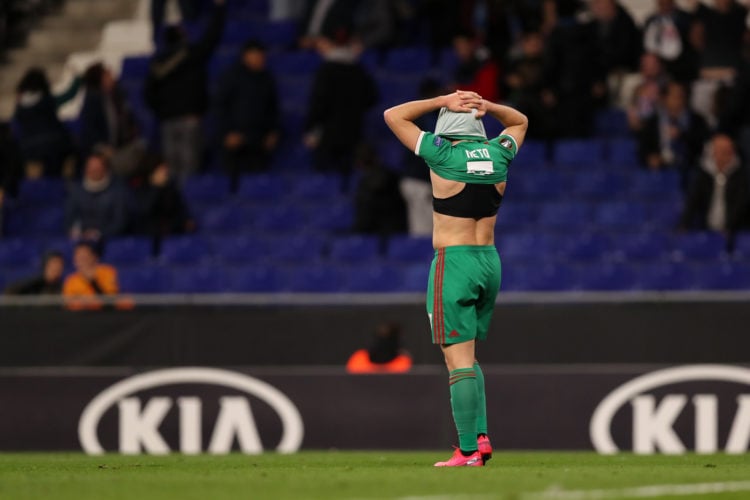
(388, 116)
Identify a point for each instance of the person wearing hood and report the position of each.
(96, 208)
(469, 174)
(719, 196)
(177, 91)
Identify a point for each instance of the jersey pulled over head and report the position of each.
(464, 126)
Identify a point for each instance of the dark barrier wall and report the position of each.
(655, 332)
(635, 408)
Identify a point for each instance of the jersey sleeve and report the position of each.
(508, 145)
(432, 148)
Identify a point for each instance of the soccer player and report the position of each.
(468, 173)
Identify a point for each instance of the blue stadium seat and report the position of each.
(36, 221)
(558, 215)
(415, 277)
(722, 276)
(296, 248)
(19, 252)
(410, 249)
(240, 249)
(528, 247)
(397, 89)
(314, 278)
(545, 277)
(144, 279)
(533, 154)
(293, 63)
(641, 246)
(664, 215)
(296, 92)
(620, 215)
(280, 218)
(611, 122)
(374, 277)
(622, 153)
(135, 67)
(742, 246)
(515, 215)
(606, 277)
(274, 34)
(255, 278)
(546, 185)
(408, 60)
(128, 251)
(315, 187)
(42, 191)
(203, 279)
(261, 187)
(699, 246)
(185, 250)
(206, 188)
(597, 185)
(332, 217)
(653, 184)
(578, 153)
(660, 276)
(227, 218)
(586, 247)
(351, 249)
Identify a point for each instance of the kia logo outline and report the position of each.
(293, 428)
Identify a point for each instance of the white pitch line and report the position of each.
(654, 491)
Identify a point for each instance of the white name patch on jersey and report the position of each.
(479, 167)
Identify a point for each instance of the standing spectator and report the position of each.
(49, 282)
(342, 93)
(247, 113)
(524, 85)
(667, 34)
(188, 10)
(107, 123)
(327, 19)
(378, 206)
(645, 98)
(91, 279)
(617, 38)
(160, 207)
(735, 117)
(719, 196)
(476, 70)
(674, 135)
(96, 208)
(11, 164)
(44, 140)
(724, 26)
(176, 90)
(574, 83)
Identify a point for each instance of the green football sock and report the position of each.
(464, 396)
(482, 402)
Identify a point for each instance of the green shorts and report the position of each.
(461, 292)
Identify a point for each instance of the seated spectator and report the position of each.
(617, 38)
(97, 207)
(90, 280)
(477, 70)
(342, 93)
(247, 113)
(384, 355)
(107, 123)
(45, 143)
(49, 282)
(176, 90)
(719, 196)
(645, 98)
(378, 205)
(160, 208)
(724, 27)
(667, 34)
(674, 135)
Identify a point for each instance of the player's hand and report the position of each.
(463, 101)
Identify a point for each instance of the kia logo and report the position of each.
(653, 421)
(139, 421)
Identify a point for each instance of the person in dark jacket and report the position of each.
(618, 38)
(45, 142)
(49, 282)
(342, 93)
(107, 123)
(247, 113)
(719, 196)
(176, 90)
(379, 207)
(97, 207)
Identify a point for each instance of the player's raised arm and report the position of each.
(400, 119)
(514, 121)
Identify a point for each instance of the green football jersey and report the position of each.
(473, 161)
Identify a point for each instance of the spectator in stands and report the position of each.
(719, 196)
(160, 208)
(617, 37)
(45, 143)
(724, 28)
(176, 90)
(378, 205)
(247, 113)
(645, 98)
(96, 208)
(574, 83)
(189, 10)
(342, 93)
(735, 119)
(11, 164)
(384, 355)
(107, 123)
(90, 280)
(327, 19)
(524, 84)
(49, 282)
(667, 34)
(415, 185)
(674, 135)
(477, 70)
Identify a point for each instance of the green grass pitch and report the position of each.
(375, 474)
